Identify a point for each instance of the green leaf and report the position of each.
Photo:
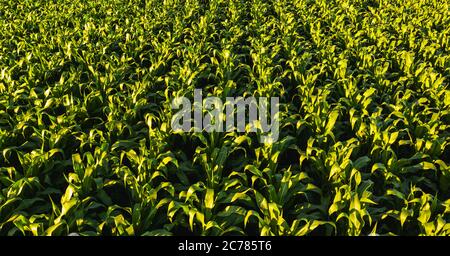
(378, 166)
(361, 162)
(209, 199)
(332, 118)
(335, 169)
(405, 213)
(253, 170)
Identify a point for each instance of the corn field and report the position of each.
(86, 144)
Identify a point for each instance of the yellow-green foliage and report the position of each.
(85, 138)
